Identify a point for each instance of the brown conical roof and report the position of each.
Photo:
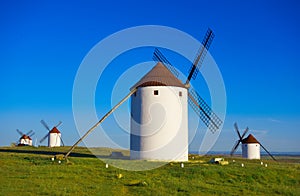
(159, 75)
(250, 139)
(24, 137)
(54, 130)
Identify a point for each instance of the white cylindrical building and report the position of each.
(250, 148)
(159, 117)
(25, 140)
(29, 141)
(54, 138)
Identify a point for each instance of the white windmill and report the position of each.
(250, 145)
(25, 139)
(159, 119)
(159, 110)
(53, 135)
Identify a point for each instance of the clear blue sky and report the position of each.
(256, 47)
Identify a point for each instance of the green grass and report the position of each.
(30, 171)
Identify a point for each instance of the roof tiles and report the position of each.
(249, 139)
(159, 75)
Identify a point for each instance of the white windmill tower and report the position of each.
(25, 139)
(53, 135)
(159, 120)
(159, 111)
(250, 145)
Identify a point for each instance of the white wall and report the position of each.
(23, 141)
(251, 151)
(54, 140)
(159, 124)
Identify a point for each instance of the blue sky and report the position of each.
(256, 47)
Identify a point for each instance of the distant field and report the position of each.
(30, 171)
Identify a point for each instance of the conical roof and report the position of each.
(250, 139)
(159, 75)
(54, 130)
(24, 137)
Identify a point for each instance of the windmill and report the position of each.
(53, 135)
(250, 145)
(161, 86)
(25, 139)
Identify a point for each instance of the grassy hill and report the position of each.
(30, 171)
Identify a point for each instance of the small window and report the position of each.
(155, 92)
(135, 94)
(180, 94)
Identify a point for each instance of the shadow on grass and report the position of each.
(43, 152)
(73, 154)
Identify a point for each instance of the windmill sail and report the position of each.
(44, 138)
(61, 140)
(237, 131)
(32, 134)
(200, 56)
(159, 57)
(267, 152)
(209, 118)
(58, 124)
(236, 145)
(246, 130)
(20, 132)
(45, 125)
(205, 113)
(29, 132)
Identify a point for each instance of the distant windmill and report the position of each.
(250, 145)
(25, 139)
(53, 135)
(161, 87)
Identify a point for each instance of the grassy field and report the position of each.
(30, 171)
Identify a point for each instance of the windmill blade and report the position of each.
(237, 130)
(32, 134)
(159, 57)
(236, 145)
(45, 125)
(58, 124)
(100, 121)
(20, 132)
(209, 118)
(246, 130)
(200, 56)
(29, 132)
(44, 138)
(62, 141)
(267, 152)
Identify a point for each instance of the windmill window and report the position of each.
(180, 94)
(155, 92)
